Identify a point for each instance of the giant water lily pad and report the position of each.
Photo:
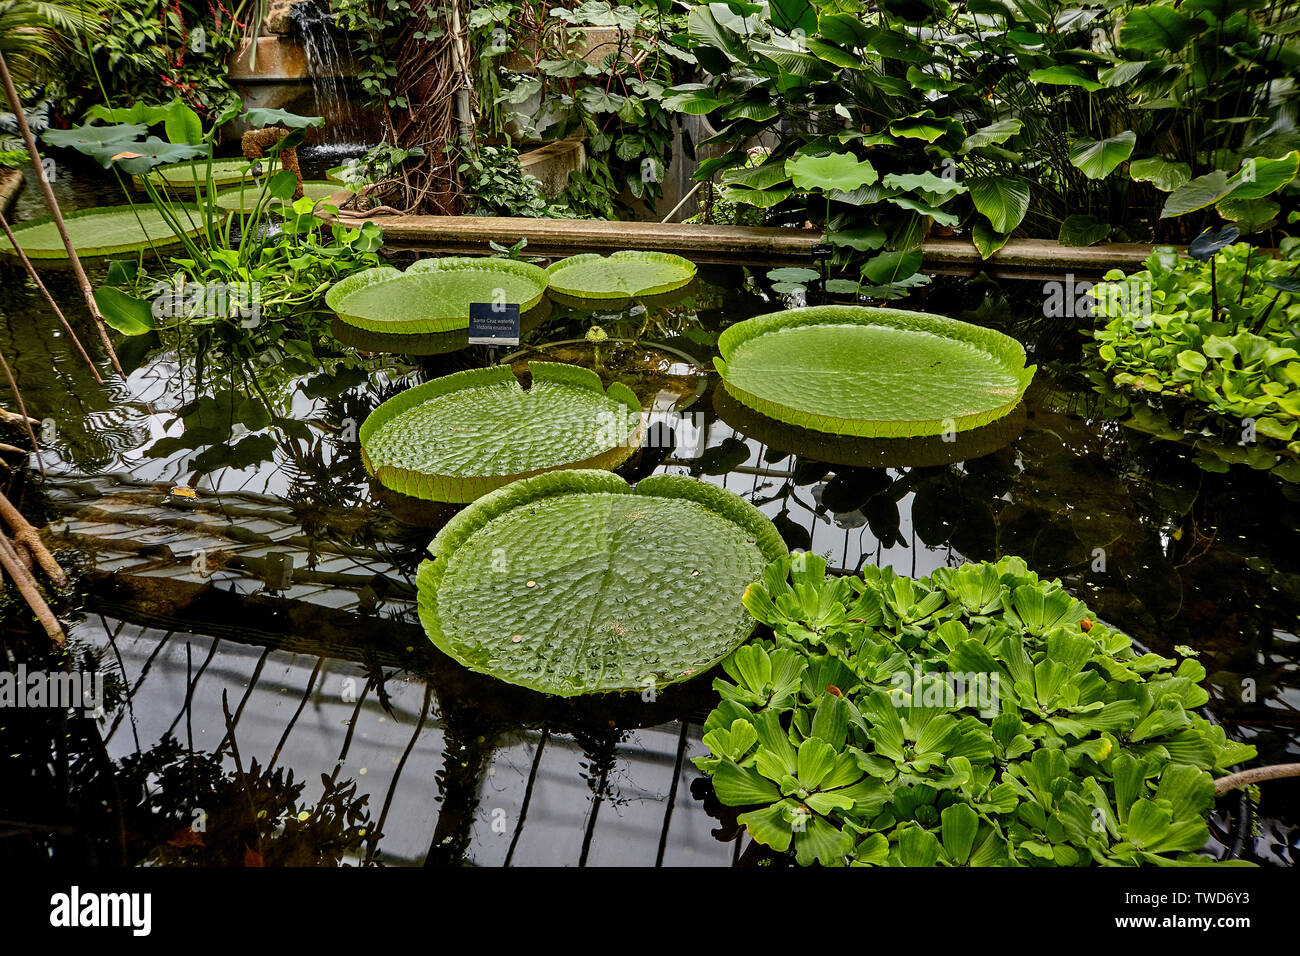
(619, 276)
(100, 231)
(879, 373)
(245, 197)
(462, 435)
(572, 583)
(191, 173)
(425, 343)
(925, 451)
(433, 295)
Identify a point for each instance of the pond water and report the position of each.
(265, 620)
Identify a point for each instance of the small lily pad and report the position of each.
(245, 197)
(191, 173)
(623, 274)
(433, 295)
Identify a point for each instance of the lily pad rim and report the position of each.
(1002, 348)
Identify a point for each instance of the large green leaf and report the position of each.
(433, 295)
(1156, 29)
(620, 275)
(1162, 173)
(125, 313)
(572, 583)
(465, 434)
(101, 231)
(991, 135)
(1197, 194)
(872, 372)
(1260, 176)
(842, 171)
(1004, 200)
(1097, 158)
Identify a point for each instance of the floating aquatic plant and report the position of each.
(433, 295)
(880, 373)
(621, 275)
(99, 231)
(462, 435)
(978, 717)
(573, 583)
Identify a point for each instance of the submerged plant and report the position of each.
(978, 717)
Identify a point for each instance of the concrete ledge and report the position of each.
(551, 164)
(1027, 258)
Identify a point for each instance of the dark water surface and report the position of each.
(267, 624)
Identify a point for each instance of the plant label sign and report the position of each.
(493, 323)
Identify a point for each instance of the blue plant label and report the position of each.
(494, 323)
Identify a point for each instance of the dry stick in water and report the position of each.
(17, 107)
(36, 277)
(1256, 775)
(22, 410)
(28, 542)
(22, 578)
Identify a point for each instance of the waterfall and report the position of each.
(315, 24)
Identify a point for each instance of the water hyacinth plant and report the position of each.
(1222, 330)
(978, 717)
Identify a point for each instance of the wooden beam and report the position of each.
(747, 244)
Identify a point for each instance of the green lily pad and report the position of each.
(425, 343)
(462, 435)
(573, 583)
(99, 231)
(187, 175)
(925, 451)
(876, 373)
(433, 295)
(244, 197)
(623, 274)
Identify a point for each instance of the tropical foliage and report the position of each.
(978, 717)
(1223, 332)
(994, 118)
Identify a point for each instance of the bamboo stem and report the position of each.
(36, 277)
(26, 585)
(27, 538)
(26, 419)
(15, 104)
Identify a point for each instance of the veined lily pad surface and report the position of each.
(433, 295)
(191, 173)
(879, 373)
(244, 197)
(100, 231)
(573, 583)
(618, 276)
(465, 434)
